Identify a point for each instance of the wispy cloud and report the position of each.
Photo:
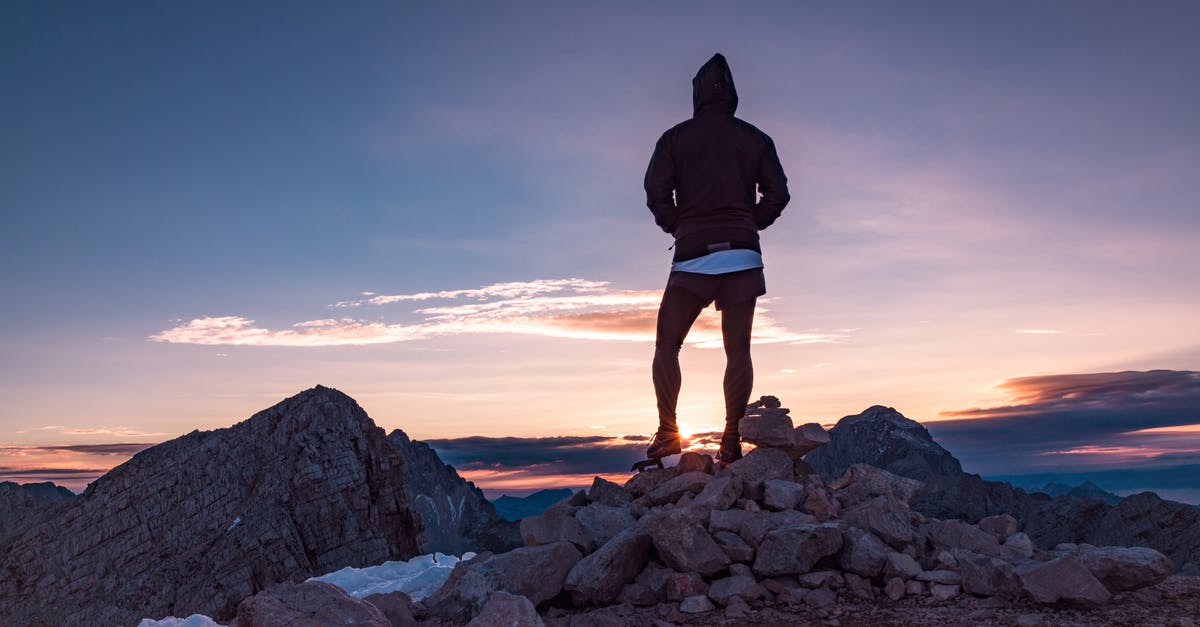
(124, 432)
(1038, 331)
(563, 308)
(1064, 421)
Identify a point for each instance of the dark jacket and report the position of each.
(702, 177)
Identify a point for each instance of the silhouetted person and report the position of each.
(701, 186)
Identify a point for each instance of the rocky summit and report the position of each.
(201, 522)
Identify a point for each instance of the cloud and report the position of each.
(120, 448)
(115, 431)
(1079, 421)
(1038, 331)
(562, 308)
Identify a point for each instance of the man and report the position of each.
(701, 187)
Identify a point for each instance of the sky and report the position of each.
(437, 208)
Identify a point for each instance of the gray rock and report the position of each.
(808, 437)
(782, 494)
(683, 544)
(743, 586)
(1126, 568)
(598, 578)
(736, 548)
(861, 482)
(654, 577)
(894, 588)
(1062, 579)
(821, 579)
(772, 428)
(698, 604)
(692, 461)
(952, 534)
(533, 572)
(683, 585)
(1001, 526)
(884, 516)
(669, 491)
(760, 465)
(900, 565)
(986, 576)
(821, 597)
(1017, 546)
(794, 550)
(556, 524)
(943, 591)
(859, 587)
(737, 608)
(862, 553)
(720, 493)
(311, 602)
(638, 594)
(608, 493)
(645, 481)
(507, 610)
(602, 522)
(396, 607)
(914, 588)
(818, 503)
(940, 576)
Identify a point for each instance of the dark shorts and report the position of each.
(725, 289)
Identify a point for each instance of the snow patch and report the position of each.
(235, 523)
(419, 577)
(195, 620)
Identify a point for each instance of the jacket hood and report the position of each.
(712, 88)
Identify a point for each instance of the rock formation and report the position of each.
(198, 523)
(883, 438)
(769, 530)
(23, 504)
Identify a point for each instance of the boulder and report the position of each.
(1126, 568)
(900, 565)
(952, 534)
(507, 610)
(536, 573)
(946, 577)
(818, 503)
(669, 491)
(608, 493)
(556, 524)
(760, 465)
(683, 544)
(943, 591)
(311, 602)
(1062, 579)
(985, 575)
(602, 522)
(744, 586)
(645, 481)
(831, 579)
(860, 482)
(1001, 526)
(884, 516)
(598, 578)
(683, 585)
(794, 550)
(692, 461)
(1018, 546)
(736, 548)
(697, 604)
(859, 586)
(862, 553)
(396, 606)
(781, 494)
(820, 598)
(894, 588)
(638, 594)
(654, 577)
(807, 437)
(772, 428)
(720, 493)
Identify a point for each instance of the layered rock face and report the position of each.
(456, 516)
(882, 437)
(767, 530)
(198, 523)
(22, 505)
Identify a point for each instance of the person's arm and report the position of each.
(772, 184)
(660, 186)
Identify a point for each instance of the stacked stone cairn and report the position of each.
(695, 538)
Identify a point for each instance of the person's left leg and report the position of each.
(737, 321)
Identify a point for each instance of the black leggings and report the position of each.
(676, 314)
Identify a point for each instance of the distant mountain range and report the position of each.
(515, 508)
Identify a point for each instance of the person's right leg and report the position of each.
(676, 314)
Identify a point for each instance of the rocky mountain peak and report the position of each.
(882, 437)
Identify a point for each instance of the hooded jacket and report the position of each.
(703, 176)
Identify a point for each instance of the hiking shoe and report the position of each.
(731, 449)
(665, 443)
